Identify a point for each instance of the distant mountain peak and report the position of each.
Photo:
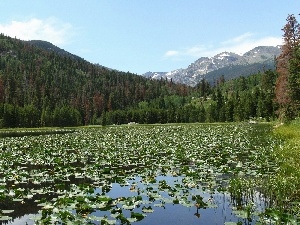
(255, 59)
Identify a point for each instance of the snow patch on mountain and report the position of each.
(198, 69)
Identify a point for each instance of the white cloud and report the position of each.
(238, 39)
(248, 41)
(49, 29)
(195, 50)
(239, 45)
(171, 53)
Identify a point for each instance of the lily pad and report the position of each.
(147, 209)
(7, 211)
(241, 213)
(2, 218)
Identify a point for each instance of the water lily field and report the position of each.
(161, 174)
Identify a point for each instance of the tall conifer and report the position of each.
(291, 38)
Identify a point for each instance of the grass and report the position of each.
(283, 188)
(289, 154)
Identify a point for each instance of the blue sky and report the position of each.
(148, 35)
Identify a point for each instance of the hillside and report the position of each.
(42, 85)
(227, 64)
(51, 47)
(235, 71)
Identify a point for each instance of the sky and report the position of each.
(148, 35)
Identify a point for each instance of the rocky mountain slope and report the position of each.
(228, 64)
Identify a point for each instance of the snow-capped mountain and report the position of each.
(155, 75)
(204, 68)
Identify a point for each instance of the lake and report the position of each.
(160, 174)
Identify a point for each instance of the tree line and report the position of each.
(239, 99)
(44, 88)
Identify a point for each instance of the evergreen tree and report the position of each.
(229, 110)
(291, 43)
(294, 82)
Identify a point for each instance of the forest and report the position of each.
(44, 88)
(41, 87)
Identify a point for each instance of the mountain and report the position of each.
(228, 64)
(43, 85)
(155, 75)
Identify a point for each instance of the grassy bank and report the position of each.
(284, 187)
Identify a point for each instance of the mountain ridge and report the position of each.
(261, 57)
(48, 46)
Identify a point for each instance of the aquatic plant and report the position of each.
(73, 177)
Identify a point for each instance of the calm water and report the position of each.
(168, 213)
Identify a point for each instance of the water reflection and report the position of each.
(219, 212)
(24, 220)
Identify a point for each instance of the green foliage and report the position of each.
(42, 87)
(66, 116)
(294, 82)
(283, 188)
(239, 99)
(287, 85)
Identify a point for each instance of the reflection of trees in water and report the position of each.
(30, 206)
(21, 208)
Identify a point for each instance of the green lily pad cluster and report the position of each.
(71, 178)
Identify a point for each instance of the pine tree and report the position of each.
(291, 38)
(294, 82)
